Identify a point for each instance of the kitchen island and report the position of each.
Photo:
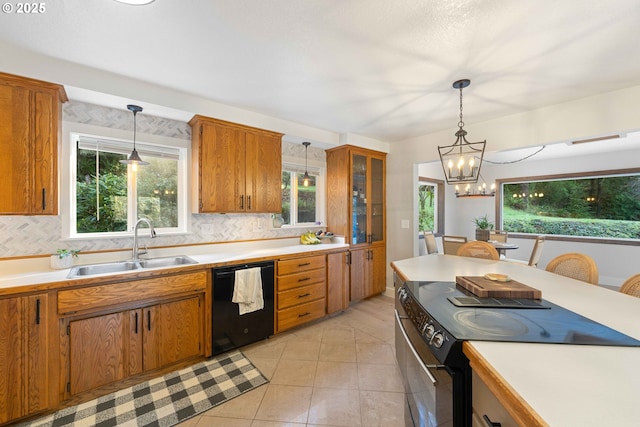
(552, 384)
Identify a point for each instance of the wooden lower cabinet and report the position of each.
(24, 373)
(152, 324)
(337, 282)
(111, 347)
(485, 404)
(171, 333)
(367, 272)
(301, 291)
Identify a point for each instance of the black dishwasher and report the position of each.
(230, 329)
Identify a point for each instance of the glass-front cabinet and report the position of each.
(367, 207)
(356, 209)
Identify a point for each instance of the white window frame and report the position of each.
(69, 217)
(294, 165)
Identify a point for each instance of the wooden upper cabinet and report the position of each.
(238, 168)
(30, 115)
(356, 204)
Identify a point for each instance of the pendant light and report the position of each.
(134, 159)
(306, 178)
(459, 160)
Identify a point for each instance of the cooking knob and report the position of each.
(402, 294)
(437, 340)
(428, 330)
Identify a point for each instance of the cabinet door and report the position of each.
(222, 169)
(264, 173)
(14, 149)
(12, 359)
(359, 206)
(97, 351)
(172, 332)
(36, 320)
(358, 274)
(377, 200)
(44, 151)
(337, 282)
(378, 270)
(23, 356)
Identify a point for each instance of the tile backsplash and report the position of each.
(40, 235)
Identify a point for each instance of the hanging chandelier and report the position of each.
(461, 161)
(134, 159)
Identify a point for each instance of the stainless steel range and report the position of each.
(433, 319)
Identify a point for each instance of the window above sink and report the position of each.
(106, 196)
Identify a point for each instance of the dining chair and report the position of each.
(536, 252)
(575, 265)
(498, 235)
(631, 286)
(430, 241)
(451, 244)
(478, 249)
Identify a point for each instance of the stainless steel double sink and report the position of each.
(130, 265)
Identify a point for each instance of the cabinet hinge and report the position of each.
(200, 130)
(68, 329)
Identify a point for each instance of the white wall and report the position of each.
(599, 115)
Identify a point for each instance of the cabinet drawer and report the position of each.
(300, 314)
(304, 278)
(300, 264)
(300, 295)
(94, 297)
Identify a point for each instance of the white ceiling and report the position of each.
(376, 68)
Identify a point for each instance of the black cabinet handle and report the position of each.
(304, 279)
(304, 314)
(304, 295)
(44, 198)
(370, 238)
(248, 203)
(241, 202)
(149, 320)
(348, 258)
(304, 264)
(136, 328)
(38, 311)
(489, 422)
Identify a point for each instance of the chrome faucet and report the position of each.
(136, 251)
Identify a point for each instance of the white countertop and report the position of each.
(567, 385)
(34, 271)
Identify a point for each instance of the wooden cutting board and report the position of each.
(485, 288)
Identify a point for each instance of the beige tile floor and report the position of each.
(340, 371)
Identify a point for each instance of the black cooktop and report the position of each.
(544, 323)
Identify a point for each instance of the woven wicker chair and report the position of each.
(478, 249)
(631, 286)
(451, 244)
(430, 241)
(575, 265)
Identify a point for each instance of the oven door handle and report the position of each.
(424, 367)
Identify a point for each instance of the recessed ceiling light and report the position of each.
(136, 2)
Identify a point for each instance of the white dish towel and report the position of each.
(247, 290)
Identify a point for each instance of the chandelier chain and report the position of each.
(460, 123)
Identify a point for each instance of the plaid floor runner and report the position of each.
(167, 400)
